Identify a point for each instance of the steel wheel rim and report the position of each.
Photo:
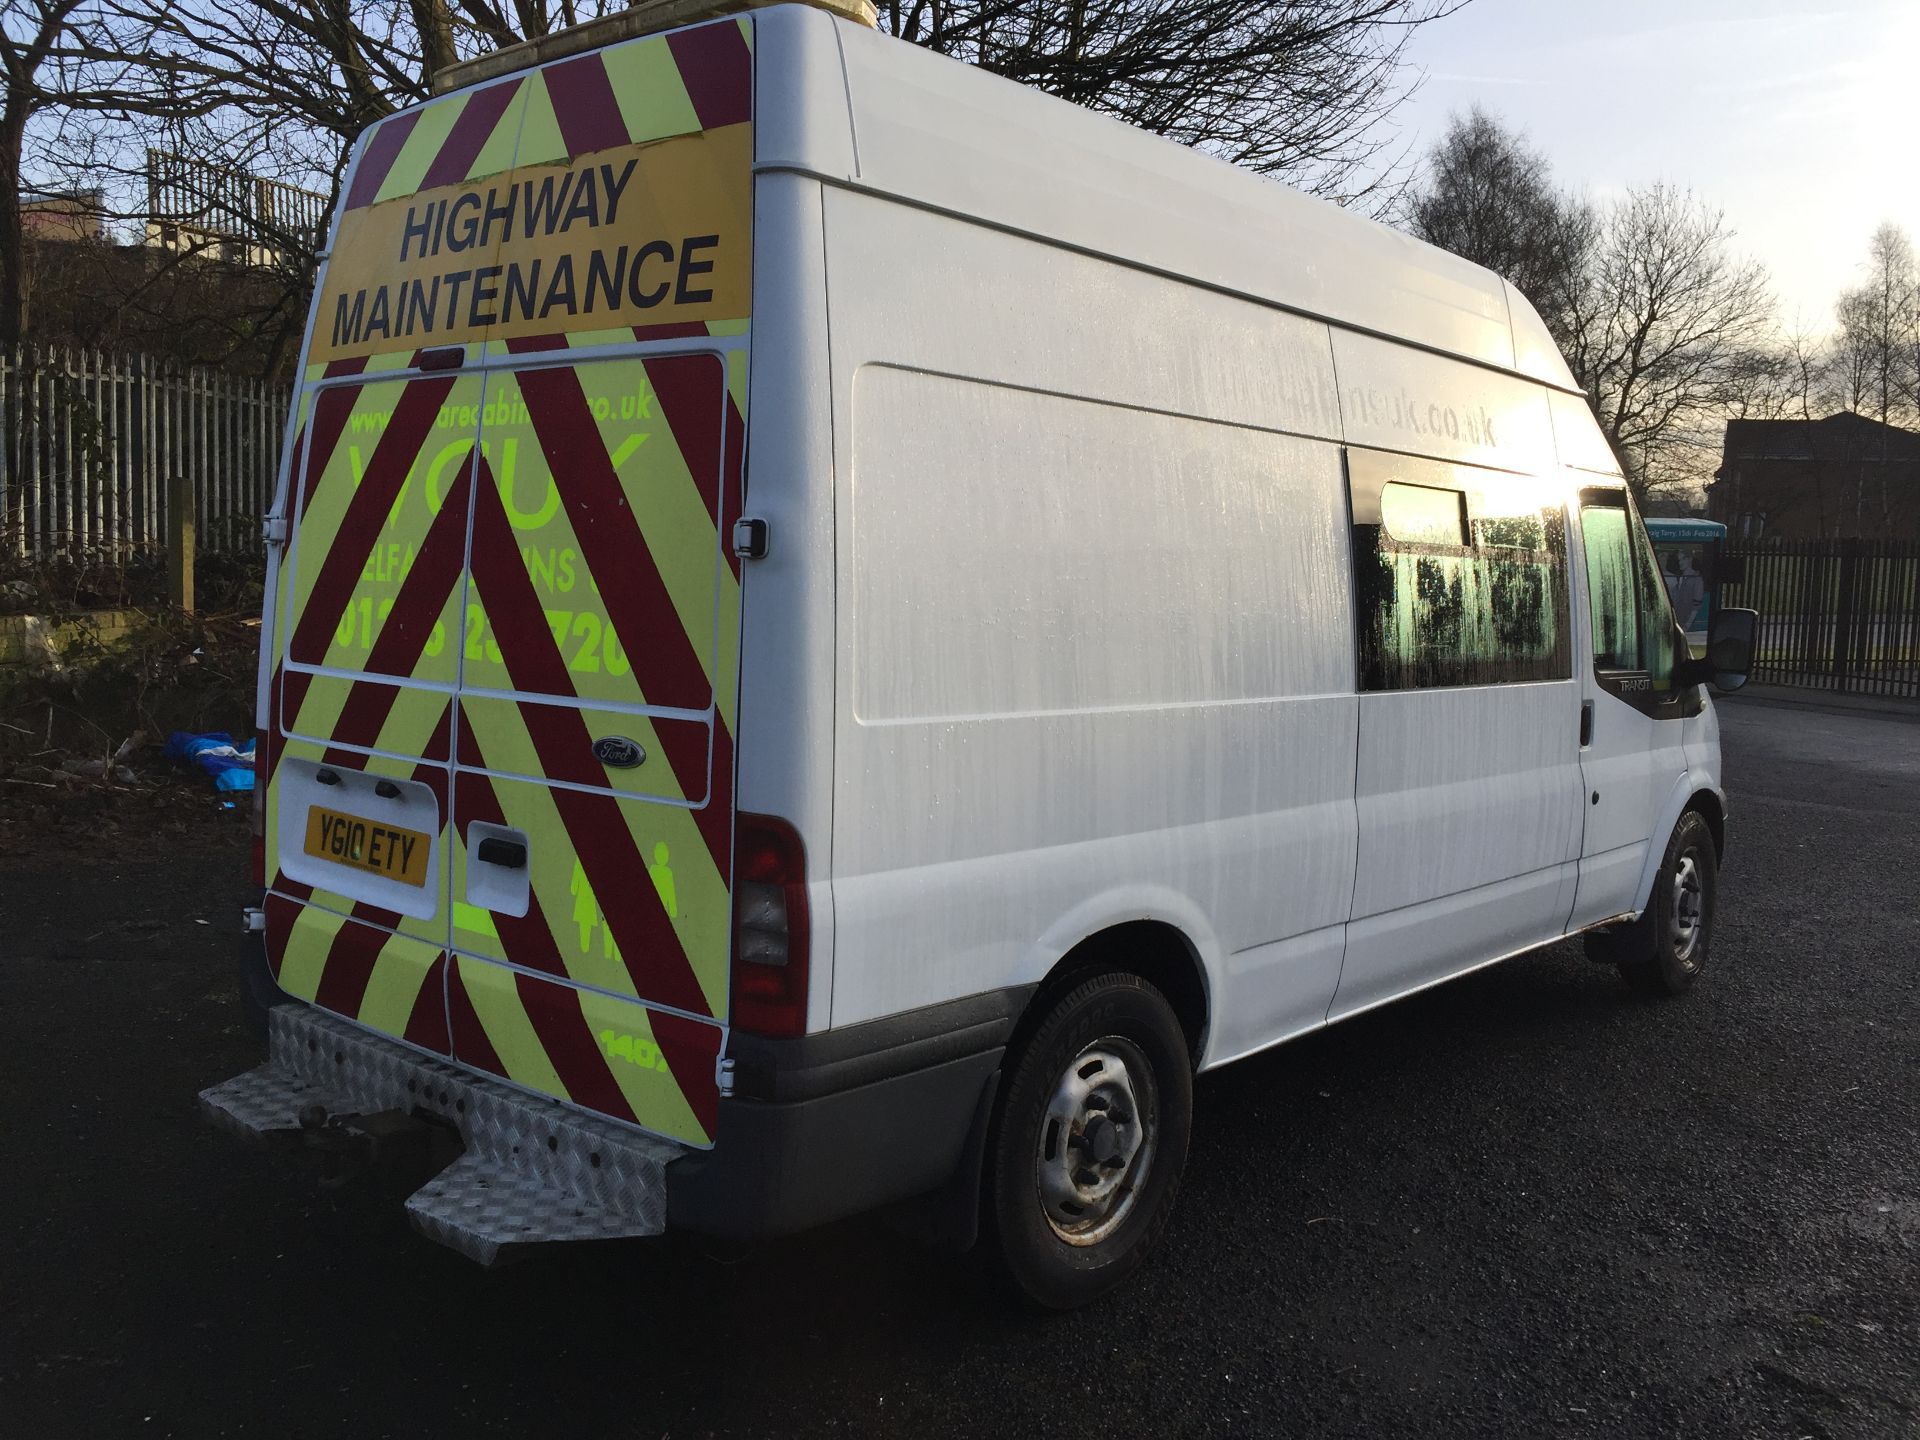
(1689, 911)
(1097, 1141)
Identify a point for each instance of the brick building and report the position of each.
(78, 217)
(1842, 476)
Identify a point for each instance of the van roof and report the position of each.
(849, 105)
(934, 131)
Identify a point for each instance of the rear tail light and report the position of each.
(770, 927)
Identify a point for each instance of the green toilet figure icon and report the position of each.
(662, 875)
(587, 915)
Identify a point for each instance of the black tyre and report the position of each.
(1091, 1136)
(1664, 951)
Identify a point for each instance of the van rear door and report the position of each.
(594, 747)
(361, 704)
(500, 813)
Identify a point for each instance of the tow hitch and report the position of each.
(342, 1147)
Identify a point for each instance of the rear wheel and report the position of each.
(1091, 1137)
(1664, 951)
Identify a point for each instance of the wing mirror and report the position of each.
(1729, 657)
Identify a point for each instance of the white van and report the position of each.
(838, 628)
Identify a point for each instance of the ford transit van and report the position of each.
(839, 628)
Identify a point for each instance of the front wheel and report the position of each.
(1664, 951)
(1090, 1141)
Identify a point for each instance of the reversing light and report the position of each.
(770, 927)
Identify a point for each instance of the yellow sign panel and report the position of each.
(389, 851)
(652, 234)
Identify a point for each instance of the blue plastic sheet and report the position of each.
(230, 765)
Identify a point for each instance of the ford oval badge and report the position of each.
(618, 751)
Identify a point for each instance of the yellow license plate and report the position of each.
(385, 850)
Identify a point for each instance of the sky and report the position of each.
(1800, 120)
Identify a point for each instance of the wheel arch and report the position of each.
(1688, 794)
(1714, 811)
(1158, 951)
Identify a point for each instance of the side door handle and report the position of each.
(1586, 723)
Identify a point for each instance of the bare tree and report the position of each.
(280, 88)
(1878, 321)
(1659, 330)
(1877, 353)
(1666, 329)
(1489, 196)
(231, 236)
(1291, 88)
(31, 36)
(1294, 88)
(1787, 379)
(263, 90)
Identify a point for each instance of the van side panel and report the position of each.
(1096, 661)
(787, 598)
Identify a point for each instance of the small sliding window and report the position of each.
(1460, 574)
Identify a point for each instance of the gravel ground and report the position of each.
(1522, 1204)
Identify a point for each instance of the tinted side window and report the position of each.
(1633, 628)
(1612, 588)
(1460, 575)
(1656, 609)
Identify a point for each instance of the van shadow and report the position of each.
(308, 1314)
(796, 1333)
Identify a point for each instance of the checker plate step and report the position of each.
(535, 1172)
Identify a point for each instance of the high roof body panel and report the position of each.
(936, 132)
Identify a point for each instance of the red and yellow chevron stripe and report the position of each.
(491, 569)
(655, 88)
(387, 982)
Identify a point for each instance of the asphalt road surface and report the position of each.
(1522, 1204)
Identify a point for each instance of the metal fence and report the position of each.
(1834, 614)
(192, 204)
(90, 441)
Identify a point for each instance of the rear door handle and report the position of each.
(508, 854)
(1586, 723)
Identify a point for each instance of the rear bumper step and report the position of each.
(534, 1172)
